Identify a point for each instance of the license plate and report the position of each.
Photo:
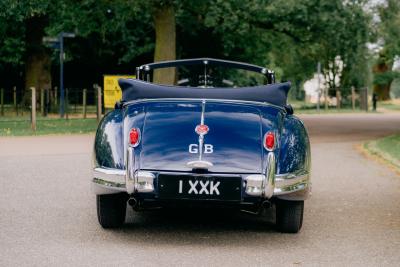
(199, 187)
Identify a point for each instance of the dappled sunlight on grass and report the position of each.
(392, 105)
(387, 148)
(20, 127)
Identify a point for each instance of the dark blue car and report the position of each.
(221, 135)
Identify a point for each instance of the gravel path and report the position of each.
(48, 215)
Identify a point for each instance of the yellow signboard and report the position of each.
(112, 92)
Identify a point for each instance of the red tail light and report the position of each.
(134, 137)
(269, 141)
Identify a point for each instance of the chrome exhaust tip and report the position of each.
(266, 204)
(132, 202)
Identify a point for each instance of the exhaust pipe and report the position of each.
(132, 202)
(258, 208)
(266, 204)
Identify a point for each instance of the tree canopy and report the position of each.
(388, 37)
(289, 36)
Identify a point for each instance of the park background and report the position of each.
(48, 212)
(355, 46)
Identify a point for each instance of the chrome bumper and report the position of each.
(108, 181)
(291, 186)
(291, 182)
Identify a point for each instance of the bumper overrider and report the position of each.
(288, 186)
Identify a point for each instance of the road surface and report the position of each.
(48, 214)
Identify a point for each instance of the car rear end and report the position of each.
(199, 152)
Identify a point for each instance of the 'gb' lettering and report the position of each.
(208, 149)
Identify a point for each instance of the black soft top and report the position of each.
(133, 89)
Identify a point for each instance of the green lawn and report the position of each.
(22, 126)
(387, 148)
(329, 111)
(300, 107)
(390, 105)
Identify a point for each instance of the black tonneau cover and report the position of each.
(272, 93)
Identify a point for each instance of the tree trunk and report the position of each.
(382, 90)
(38, 62)
(164, 21)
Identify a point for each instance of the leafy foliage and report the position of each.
(388, 33)
(389, 28)
(288, 36)
(13, 15)
(386, 77)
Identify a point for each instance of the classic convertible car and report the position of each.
(213, 138)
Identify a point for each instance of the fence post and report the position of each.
(364, 99)
(66, 103)
(98, 102)
(353, 98)
(15, 99)
(55, 96)
(33, 109)
(47, 101)
(2, 101)
(338, 99)
(326, 97)
(75, 99)
(84, 102)
(95, 99)
(42, 101)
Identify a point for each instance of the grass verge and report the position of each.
(329, 111)
(387, 149)
(44, 126)
(392, 105)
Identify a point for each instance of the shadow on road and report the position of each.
(197, 227)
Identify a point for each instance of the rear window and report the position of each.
(209, 76)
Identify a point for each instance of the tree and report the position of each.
(340, 34)
(29, 18)
(289, 36)
(165, 40)
(389, 37)
(38, 61)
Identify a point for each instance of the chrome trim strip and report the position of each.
(291, 182)
(201, 136)
(292, 175)
(102, 187)
(199, 164)
(108, 181)
(111, 175)
(208, 99)
(197, 174)
(203, 109)
(270, 176)
(130, 169)
(109, 184)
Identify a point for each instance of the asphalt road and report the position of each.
(48, 214)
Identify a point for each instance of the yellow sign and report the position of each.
(112, 92)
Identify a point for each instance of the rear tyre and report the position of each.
(111, 210)
(289, 216)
